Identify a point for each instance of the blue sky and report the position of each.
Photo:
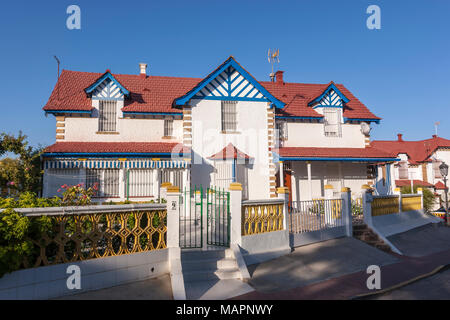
(400, 72)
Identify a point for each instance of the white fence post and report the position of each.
(236, 213)
(366, 194)
(327, 204)
(347, 210)
(173, 217)
(283, 193)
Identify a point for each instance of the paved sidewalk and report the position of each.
(152, 289)
(351, 285)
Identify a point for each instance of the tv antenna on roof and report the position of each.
(273, 57)
(436, 127)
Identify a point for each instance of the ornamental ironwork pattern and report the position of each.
(383, 206)
(262, 218)
(411, 203)
(71, 238)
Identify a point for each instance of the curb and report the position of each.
(401, 284)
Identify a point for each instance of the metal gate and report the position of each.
(204, 218)
(316, 220)
(218, 219)
(191, 218)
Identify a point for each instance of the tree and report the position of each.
(23, 173)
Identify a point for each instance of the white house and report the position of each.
(418, 164)
(131, 133)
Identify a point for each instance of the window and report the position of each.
(168, 127)
(229, 121)
(175, 177)
(140, 183)
(437, 172)
(332, 122)
(55, 178)
(403, 170)
(282, 129)
(223, 176)
(106, 179)
(107, 116)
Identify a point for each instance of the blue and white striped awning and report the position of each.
(115, 164)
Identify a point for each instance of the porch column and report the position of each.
(122, 184)
(281, 174)
(283, 193)
(308, 167)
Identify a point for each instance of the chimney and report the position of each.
(400, 137)
(434, 136)
(279, 77)
(143, 68)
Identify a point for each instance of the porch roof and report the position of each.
(406, 183)
(114, 149)
(334, 154)
(228, 153)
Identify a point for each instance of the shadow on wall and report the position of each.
(200, 171)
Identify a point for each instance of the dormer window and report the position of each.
(403, 170)
(332, 122)
(107, 116)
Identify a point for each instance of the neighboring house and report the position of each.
(419, 161)
(131, 133)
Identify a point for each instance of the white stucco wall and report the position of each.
(301, 134)
(251, 137)
(128, 129)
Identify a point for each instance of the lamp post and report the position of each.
(443, 168)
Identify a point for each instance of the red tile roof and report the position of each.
(417, 151)
(306, 152)
(156, 94)
(115, 147)
(439, 185)
(229, 152)
(407, 183)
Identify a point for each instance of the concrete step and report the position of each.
(208, 264)
(206, 275)
(359, 227)
(188, 255)
(369, 238)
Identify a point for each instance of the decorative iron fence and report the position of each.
(411, 202)
(262, 216)
(383, 205)
(81, 233)
(218, 208)
(315, 215)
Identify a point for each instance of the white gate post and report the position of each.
(173, 217)
(366, 194)
(347, 210)
(283, 193)
(163, 190)
(235, 213)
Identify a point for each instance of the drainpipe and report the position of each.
(234, 170)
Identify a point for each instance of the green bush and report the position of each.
(16, 229)
(428, 196)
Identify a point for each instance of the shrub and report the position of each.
(77, 195)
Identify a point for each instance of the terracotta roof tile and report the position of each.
(115, 147)
(229, 152)
(407, 183)
(306, 152)
(156, 94)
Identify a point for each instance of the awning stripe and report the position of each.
(109, 164)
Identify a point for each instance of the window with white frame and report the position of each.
(229, 116)
(332, 122)
(437, 172)
(140, 183)
(107, 116)
(107, 181)
(168, 127)
(403, 170)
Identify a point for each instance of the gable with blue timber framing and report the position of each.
(107, 88)
(331, 97)
(230, 82)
